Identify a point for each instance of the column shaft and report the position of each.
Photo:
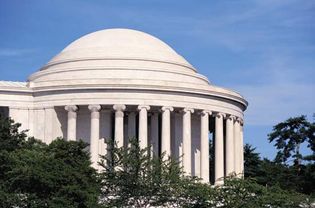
(95, 134)
(166, 131)
(143, 126)
(187, 140)
(31, 122)
(229, 146)
(106, 133)
(178, 136)
(131, 125)
(219, 149)
(49, 124)
(155, 133)
(204, 151)
(39, 127)
(237, 158)
(72, 122)
(119, 124)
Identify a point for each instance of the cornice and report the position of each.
(41, 73)
(12, 86)
(189, 91)
(67, 60)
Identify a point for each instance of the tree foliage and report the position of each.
(11, 138)
(252, 161)
(247, 194)
(297, 176)
(33, 174)
(131, 178)
(270, 173)
(290, 135)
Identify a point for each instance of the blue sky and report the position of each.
(263, 49)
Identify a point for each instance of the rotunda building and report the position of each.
(122, 83)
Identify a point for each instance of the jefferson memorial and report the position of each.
(122, 83)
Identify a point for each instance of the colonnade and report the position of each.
(228, 136)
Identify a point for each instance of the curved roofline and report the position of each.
(109, 30)
(52, 63)
(137, 49)
(236, 97)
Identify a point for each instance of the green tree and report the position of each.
(238, 193)
(10, 137)
(34, 174)
(131, 178)
(288, 137)
(252, 161)
(126, 179)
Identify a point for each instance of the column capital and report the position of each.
(186, 110)
(94, 108)
(71, 108)
(206, 112)
(119, 107)
(140, 107)
(167, 108)
(239, 120)
(230, 117)
(219, 115)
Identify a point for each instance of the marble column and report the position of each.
(237, 159)
(229, 146)
(31, 123)
(143, 126)
(119, 124)
(178, 137)
(166, 130)
(49, 111)
(154, 130)
(95, 134)
(39, 127)
(187, 140)
(72, 122)
(219, 150)
(131, 125)
(21, 115)
(106, 124)
(204, 151)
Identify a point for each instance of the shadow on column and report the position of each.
(4, 112)
(211, 147)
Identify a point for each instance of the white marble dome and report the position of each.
(121, 44)
(122, 83)
(123, 58)
(119, 58)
